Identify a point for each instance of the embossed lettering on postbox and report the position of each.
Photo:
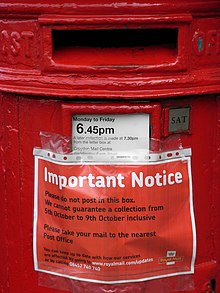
(19, 44)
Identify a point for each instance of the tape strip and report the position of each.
(113, 158)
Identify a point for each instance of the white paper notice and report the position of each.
(110, 134)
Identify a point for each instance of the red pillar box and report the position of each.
(122, 192)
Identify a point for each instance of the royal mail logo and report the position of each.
(171, 253)
(172, 260)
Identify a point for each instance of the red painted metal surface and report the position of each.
(32, 60)
(42, 83)
(21, 127)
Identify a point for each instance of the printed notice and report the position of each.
(114, 223)
(95, 134)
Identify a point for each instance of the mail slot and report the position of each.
(119, 103)
(132, 46)
(81, 45)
